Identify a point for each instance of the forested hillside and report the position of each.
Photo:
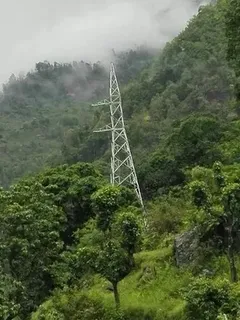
(74, 247)
(49, 109)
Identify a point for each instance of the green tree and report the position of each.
(129, 231)
(107, 200)
(115, 259)
(11, 296)
(113, 263)
(206, 299)
(38, 219)
(220, 205)
(30, 227)
(112, 255)
(231, 203)
(72, 305)
(71, 188)
(158, 174)
(195, 140)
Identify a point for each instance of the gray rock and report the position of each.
(185, 247)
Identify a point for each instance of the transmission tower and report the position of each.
(122, 166)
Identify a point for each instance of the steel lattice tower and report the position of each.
(122, 166)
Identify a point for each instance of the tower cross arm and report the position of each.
(104, 102)
(106, 128)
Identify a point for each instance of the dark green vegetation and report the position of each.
(46, 118)
(74, 247)
(232, 32)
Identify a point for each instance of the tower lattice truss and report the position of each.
(122, 166)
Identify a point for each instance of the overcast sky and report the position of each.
(66, 30)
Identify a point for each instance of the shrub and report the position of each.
(206, 299)
(71, 306)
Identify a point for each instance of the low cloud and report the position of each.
(63, 31)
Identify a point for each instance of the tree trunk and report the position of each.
(116, 294)
(131, 260)
(231, 258)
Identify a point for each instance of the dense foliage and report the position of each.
(46, 114)
(232, 33)
(74, 247)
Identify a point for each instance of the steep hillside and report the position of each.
(49, 109)
(189, 77)
(74, 247)
(182, 107)
(47, 118)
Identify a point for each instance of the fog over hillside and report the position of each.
(59, 30)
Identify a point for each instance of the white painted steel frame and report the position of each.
(122, 165)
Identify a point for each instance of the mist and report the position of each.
(63, 31)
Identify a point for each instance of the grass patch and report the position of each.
(155, 285)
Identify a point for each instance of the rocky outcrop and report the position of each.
(186, 247)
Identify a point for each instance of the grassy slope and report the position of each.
(164, 292)
(158, 290)
(154, 286)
